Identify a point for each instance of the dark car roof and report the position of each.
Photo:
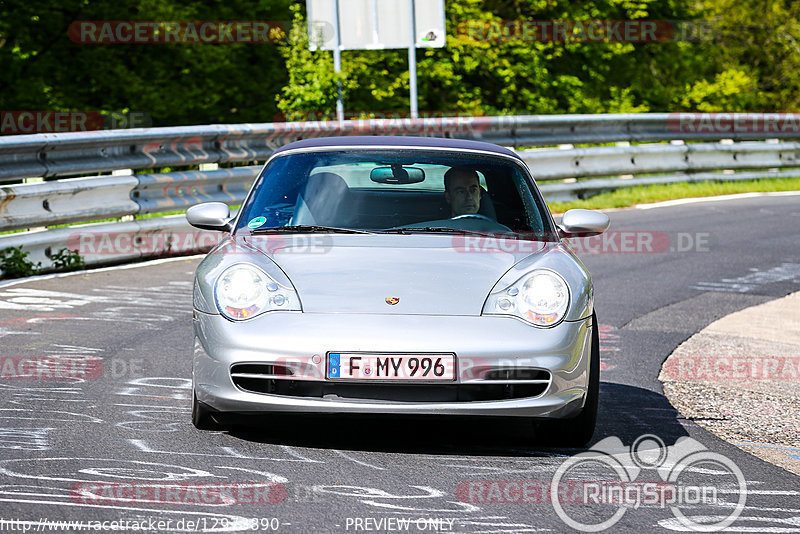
(398, 140)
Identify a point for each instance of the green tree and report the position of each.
(737, 64)
(752, 51)
(483, 70)
(175, 84)
(311, 90)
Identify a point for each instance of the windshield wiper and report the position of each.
(307, 229)
(432, 229)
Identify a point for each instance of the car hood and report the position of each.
(427, 274)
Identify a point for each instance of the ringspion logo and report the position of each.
(689, 477)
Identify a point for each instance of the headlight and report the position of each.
(541, 297)
(243, 291)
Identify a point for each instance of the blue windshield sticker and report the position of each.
(258, 221)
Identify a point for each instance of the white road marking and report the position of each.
(359, 462)
(290, 451)
(75, 417)
(375, 493)
(272, 477)
(743, 284)
(145, 420)
(24, 298)
(460, 507)
(511, 531)
(25, 439)
(115, 468)
(4, 332)
(100, 270)
(675, 524)
(472, 469)
(144, 447)
(720, 198)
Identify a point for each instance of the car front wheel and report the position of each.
(576, 431)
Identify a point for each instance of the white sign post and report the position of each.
(376, 25)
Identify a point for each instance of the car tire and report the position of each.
(202, 417)
(576, 431)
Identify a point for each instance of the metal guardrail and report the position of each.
(104, 197)
(66, 201)
(686, 161)
(75, 200)
(49, 155)
(116, 242)
(605, 161)
(566, 192)
(157, 193)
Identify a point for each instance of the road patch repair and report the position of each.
(740, 379)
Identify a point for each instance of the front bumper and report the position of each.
(302, 341)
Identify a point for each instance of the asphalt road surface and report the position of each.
(118, 445)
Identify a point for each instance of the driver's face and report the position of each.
(464, 194)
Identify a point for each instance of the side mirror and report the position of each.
(210, 216)
(583, 223)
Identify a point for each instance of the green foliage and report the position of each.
(67, 260)
(312, 84)
(484, 71)
(176, 84)
(734, 89)
(752, 57)
(15, 263)
(744, 56)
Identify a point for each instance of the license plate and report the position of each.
(363, 366)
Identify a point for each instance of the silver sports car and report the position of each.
(396, 275)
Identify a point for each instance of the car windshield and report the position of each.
(396, 191)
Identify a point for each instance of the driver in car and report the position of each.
(462, 191)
